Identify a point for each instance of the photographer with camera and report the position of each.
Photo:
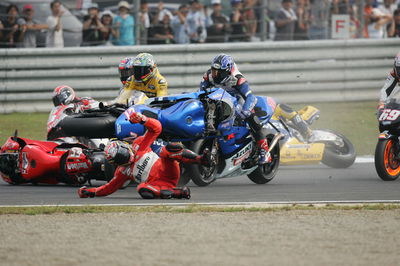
(92, 27)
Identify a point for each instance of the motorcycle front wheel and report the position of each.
(266, 172)
(339, 157)
(201, 175)
(387, 163)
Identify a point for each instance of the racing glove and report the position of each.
(205, 158)
(85, 192)
(137, 118)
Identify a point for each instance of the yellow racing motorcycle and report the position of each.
(324, 145)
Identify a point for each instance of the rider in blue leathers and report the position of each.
(225, 74)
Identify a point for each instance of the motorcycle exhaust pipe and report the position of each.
(275, 140)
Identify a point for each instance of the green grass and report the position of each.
(193, 208)
(355, 120)
(29, 125)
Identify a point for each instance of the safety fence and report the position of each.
(303, 71)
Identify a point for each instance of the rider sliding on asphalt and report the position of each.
(158, 175)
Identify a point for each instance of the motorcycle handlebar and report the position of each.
(114, 109)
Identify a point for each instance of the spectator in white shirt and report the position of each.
(54, 37)
(197, 23)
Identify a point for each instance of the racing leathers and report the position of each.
(391, 87)
(154, 87)
(238, 87)
(158, 175)
(287, 112)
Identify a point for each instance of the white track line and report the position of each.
(364, 159)
(238, 204)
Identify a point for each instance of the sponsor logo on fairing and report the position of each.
(77, 166)
(298, 146)
(25, 163)
(242, 155)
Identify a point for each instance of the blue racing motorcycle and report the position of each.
(206, 119)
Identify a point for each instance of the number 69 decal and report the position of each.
(389, 114)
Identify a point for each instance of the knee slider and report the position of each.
(174, 147)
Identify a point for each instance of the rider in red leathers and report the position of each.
(65, 95)
(158, 175)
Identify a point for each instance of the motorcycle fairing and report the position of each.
(36, 162)
(174, 98)
(184, 119)
(233, 164)
(233, 139)
(295, 152)
(309, 114)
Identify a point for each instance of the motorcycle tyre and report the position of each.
(184, 179)
(194, 171)
(260, 175)
(99, 126)
(334, 159)
(381, 156)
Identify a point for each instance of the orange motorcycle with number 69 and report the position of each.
(387, 152)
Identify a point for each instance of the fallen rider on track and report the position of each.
(158, 175)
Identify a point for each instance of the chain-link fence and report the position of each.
(151, 22)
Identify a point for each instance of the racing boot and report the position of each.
(265, 156)
(178, 152)
(302, 127)
(181, 193)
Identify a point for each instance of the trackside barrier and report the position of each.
(302, 71)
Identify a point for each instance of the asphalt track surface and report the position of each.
(316, 183)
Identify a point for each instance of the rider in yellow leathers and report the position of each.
(146, 78)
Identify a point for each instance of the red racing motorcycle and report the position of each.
(51, 162)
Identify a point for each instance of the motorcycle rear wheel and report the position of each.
(339, 157)
(266, 172)
(386, 165)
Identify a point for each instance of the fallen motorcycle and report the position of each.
(329, 147)
(24, 160)
(387, 151)
(206, 119)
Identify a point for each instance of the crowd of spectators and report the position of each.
(194, 22)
